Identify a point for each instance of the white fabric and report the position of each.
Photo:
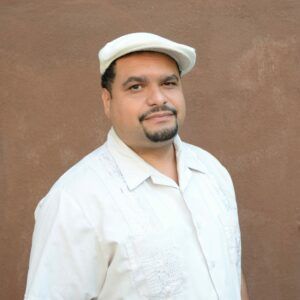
(113, 227)
(184, 55)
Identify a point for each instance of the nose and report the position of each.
(156, 96)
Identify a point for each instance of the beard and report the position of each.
(164, 134)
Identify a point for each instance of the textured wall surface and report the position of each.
(243, 106)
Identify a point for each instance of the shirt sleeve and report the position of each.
(233, 227)
(66, 260)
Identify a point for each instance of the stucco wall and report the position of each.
(243, 106)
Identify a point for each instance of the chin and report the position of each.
(162, 135)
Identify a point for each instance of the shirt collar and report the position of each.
(187, 155)
(135, 170)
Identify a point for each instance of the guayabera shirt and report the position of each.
(114, 227)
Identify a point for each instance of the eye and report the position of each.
(170, 83)
(135, 87)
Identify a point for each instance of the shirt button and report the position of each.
(212, 265)
(168, 291)
(198, 225)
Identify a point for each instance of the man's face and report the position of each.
(146, 105)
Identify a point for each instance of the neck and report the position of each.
(162, 158)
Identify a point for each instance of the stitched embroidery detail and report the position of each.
(140, 219)
(155, 259)
(158, 260)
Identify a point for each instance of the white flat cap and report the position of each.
(185, 56)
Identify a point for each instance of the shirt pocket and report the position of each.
(230, 226)
(157, 264)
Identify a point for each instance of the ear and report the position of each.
(106, 99)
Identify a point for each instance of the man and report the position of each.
(145, 216)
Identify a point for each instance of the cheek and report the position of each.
(181, 114)
(180, 105)
(124, 113)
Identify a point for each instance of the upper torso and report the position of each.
(151, 238)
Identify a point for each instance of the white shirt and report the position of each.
(113, 227)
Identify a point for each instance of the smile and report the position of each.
(159, 116)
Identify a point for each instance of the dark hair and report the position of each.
(109, 75)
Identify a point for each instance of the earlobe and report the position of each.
(106, 98)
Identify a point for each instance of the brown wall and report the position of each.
(243, 106)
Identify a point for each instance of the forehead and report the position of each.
(145, 62)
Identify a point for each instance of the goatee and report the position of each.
(164, 134)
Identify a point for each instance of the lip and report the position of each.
(159, 115)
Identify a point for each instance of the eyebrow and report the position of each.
(171, 77)
(143, 79)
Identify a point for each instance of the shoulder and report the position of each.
(80, 187)
(83, 174)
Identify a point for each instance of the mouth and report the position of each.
(159, 115)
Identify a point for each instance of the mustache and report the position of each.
(155, 109)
